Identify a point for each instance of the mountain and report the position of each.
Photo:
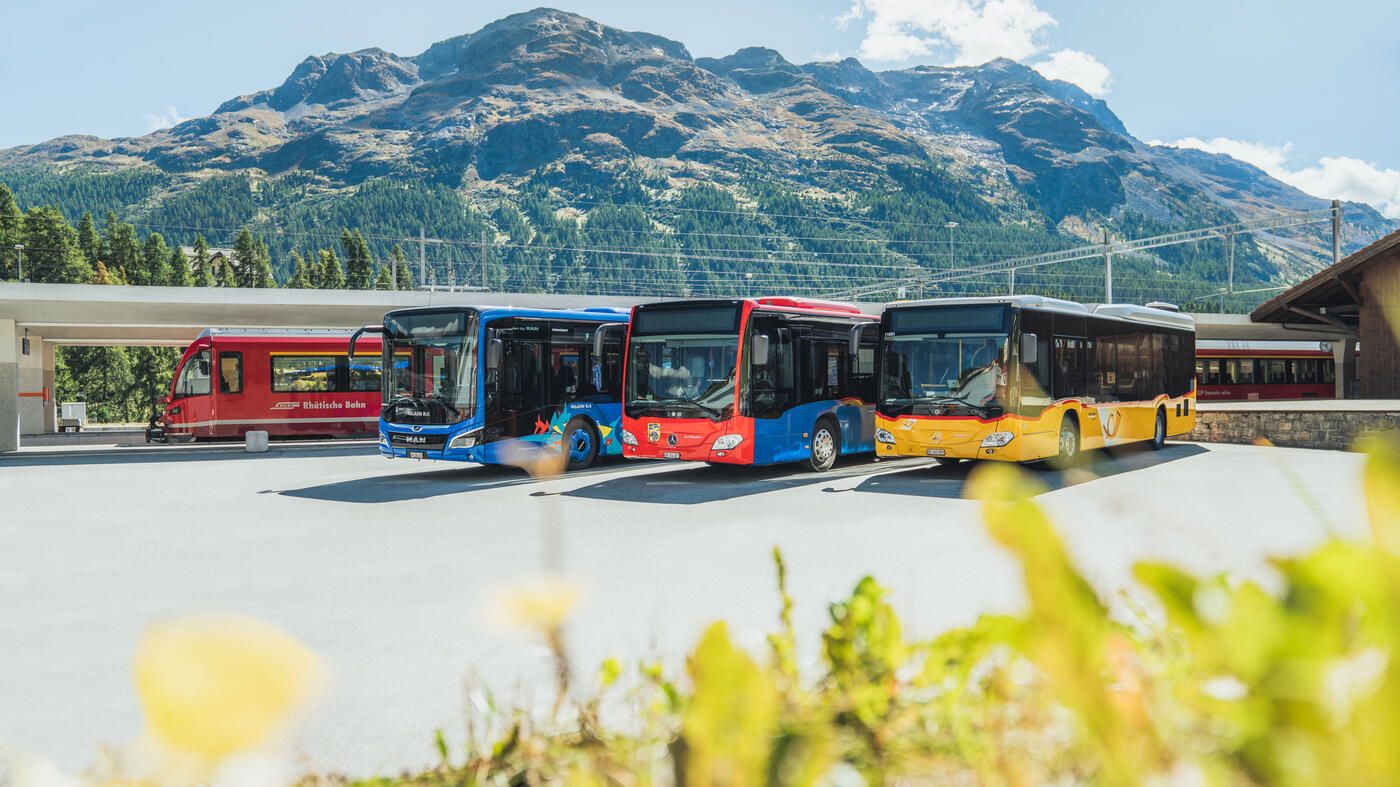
(546, 113)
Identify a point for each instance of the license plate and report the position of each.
(670, 454)
(936, 451)
(417, 455)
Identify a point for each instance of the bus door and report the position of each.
(517, 393)
(231, 400)
(772, 393)
(190, 411)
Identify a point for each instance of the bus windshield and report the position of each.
(430, 361)
(945, 359)
(682, 371)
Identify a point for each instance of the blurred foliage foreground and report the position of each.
(1207, 682)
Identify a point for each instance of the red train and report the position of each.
(1230, 370)
(285, 381)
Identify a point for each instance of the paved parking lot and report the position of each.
(385, 568)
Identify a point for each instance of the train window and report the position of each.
(303, 373)
(194, 378)
(1305, 371)
(230, 373)
(363, 372)
(1326, 371)
(1274, 371)
(1210, 375)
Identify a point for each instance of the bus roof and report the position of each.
(1117, 311)
(790, 305)
(592, 313)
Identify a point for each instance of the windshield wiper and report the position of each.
(941, 399)
(645, 403)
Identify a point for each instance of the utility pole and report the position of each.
(1229, 269)
(19, 262)
(422, 256)
(1011, 282)
(485, 282)
(1107, 269)
(1336, 231)
(952, 225)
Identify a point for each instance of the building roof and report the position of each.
(1332, 296)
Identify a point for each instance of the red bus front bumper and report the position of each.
(688, 439)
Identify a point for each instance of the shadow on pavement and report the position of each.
(692, 484)
(398, 487)
(218, 453)
(950, 481)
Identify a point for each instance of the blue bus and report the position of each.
(483, 384)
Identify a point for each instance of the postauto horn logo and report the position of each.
(653, 431)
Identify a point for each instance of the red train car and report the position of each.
(288, 382)
(1231, 370)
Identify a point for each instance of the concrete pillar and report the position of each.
(34, 397)
(1344, 364)
(48, 358)
(9, 387)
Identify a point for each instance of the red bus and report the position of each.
(749, 381)
(288, 382)
(1237, 370)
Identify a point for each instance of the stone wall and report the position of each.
(1333, 429)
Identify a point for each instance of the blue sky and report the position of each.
(1306, 90)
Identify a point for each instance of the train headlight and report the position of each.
(727, 442)
(997, 439)
(884, 436)
(465, 440)
(628, 438)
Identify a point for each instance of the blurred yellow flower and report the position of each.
(213, 686)
(542, 604)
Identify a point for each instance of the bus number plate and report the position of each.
(670, 454)
(417, 455)
(936, 451)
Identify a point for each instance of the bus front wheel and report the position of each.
(581, 443)
(1068, 443)
(1159, 431)
(826, 446)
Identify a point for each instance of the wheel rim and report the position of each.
(1160, 435)
(1067, 446)
(580, 445)
(823, 446)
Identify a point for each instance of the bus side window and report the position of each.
(863, 380)
(611, 363)
(230, 372)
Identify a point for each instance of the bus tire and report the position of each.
(1068, 444)
(580, 442)
(826, 446)
(1159, 430)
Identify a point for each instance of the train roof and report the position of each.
(275, 333)
(1117, 311)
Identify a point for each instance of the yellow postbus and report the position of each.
(1023, 378)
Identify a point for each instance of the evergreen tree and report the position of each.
(121, 250)
(403, 274)
(359, 267)
(179, 269)
(384, 279)
(10, 230)
(254, 263)
(332, 275)
(223, 274)
(301, 274)
(204, 273)
(100, 376)
(51, 248)
(155, 261)
(101, 275)
(89, 242)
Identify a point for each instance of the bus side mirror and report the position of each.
(600, 336)
(1030, 348)
(494, 351)
(760, 350)
(857, 334)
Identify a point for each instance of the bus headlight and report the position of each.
(884, 436)
(997, 439)
(627, 437)
(464, 440)
(727, 442)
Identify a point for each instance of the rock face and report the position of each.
(550, 94)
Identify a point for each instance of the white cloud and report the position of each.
(166, 119)
(1081, 68)
(969, 32)
(1332, 177)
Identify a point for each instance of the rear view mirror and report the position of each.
(1030, 348)
(494, 352)
(600, 336)
(760, 350)
(857, 334)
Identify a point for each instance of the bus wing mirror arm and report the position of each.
(600, 336)
(1029, 346)
(760, 350)
(857, 334)
(355, 337)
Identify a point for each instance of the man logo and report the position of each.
(653, 432)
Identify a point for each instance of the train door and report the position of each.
(232, 410)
